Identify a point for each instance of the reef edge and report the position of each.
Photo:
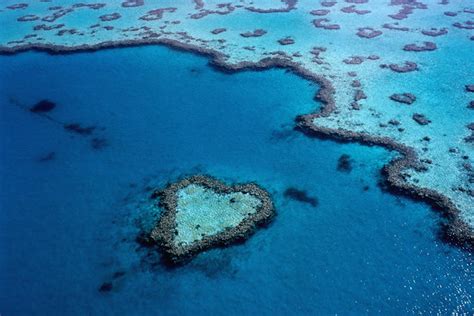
(454, 231)
(164, 231)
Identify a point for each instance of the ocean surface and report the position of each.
(71, 204)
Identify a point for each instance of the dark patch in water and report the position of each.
(106, 287)
(421, 119)
(78, 129)
(300, 196)
(118, 274)
(48, 157)
(151, 260)
(214, 265)
(344, 163)
(155, 194)
(99, 143)
(283, 134)
(147, 188)
(43, 106)
(144, 240)
(195, 71)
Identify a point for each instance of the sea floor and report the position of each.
(68, 220)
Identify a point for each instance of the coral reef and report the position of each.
(201, 212)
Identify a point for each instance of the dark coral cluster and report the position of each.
(218, 30)
(17, 6)
(132, 3)
(28, 18)
(110, 17)
(406, 98)
(427, 46)
(43, 106)
(407, 66)
(254, 33)
(289, 5)
(156, 14)
(301, 196)
(395, 26)
(48, 27)
(468, 25)
(357, 60)
(328, 3)
(320, 12)
(368, 32)
(435, 32)
(344, 163)
(324, 24)
(421, 119)
(408, 6)
(286, 41)
(353, 9)
(222, 9)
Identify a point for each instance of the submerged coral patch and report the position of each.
(353, 9)
(255, 33)
(468, 25)
(156, 14)
(286, 41)
(201, 212)
(98, 143)
(18, 6)
(408, 66)
(344, 163)
(28, 18)
(106, 287)
(407, 98)
(290, 5)
(435, 32)
(78, 129)
(218, 30)
(320, 12)
(427, 46)
(43, 106)
(395, 26)
(324, 24)
(47, 157)
(368, 32)
(421, 119)
(110, 17)
(132, 3)
(301, 196)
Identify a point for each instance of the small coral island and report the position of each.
(200, 212)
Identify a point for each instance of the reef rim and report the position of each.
(454, 231)
(164, 231)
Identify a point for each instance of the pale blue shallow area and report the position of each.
(64, 223)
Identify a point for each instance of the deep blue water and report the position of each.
(68, 224)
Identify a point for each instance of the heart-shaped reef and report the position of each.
(200, 212)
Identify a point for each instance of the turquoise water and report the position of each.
(68, 224)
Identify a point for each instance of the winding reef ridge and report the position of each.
(361, 53)
(201, 213)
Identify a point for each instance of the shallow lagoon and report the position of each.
(67, 225)
(202, 212)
